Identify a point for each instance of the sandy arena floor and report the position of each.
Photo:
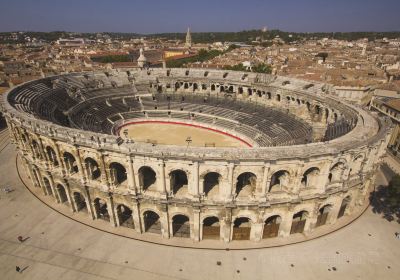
(176, 134)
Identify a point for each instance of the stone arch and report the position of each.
(181, 226)
(211, 184)
(299, 220)
(51, 155)
(268, 95)
(344, 206)
(271, 226)
(279, 181)
(246, 184)
(151, 222)
(147, 178)
(124, 214)
(211, 228)
(310, 177)
(92, 168)
(336, 172)
(100, 206)
(62, 193)
(36, 177)
(278, 97)
(70, 163)
(47, 186)
(241, 228)
(36, 149)
(80, 202)
(357, 164)
(323, 213)
(117, 173)
(178, 182)
(177, 85)
(212, 87)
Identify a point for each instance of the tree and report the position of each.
(385, 200)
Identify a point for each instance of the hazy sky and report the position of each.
(153, 16)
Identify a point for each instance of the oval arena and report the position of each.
(199, 154)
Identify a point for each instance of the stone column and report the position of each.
(164, 221)
(89, 204)
(69, 196)
(256, 231)
(226, 225)
(229, 192)
(195, 230)
(53, 189)
(80, 167)
(131, 175)
(61, 159)
(195, 174)
(162, 187)
(136, 216)
(104, 174)
(263, 190)
(286, 224)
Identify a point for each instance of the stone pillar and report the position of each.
(286, 225)
(263, 189)
(195, 174)
(195, 229)
(162, 185)
(69, 196)
(89, 204)
(229, 192)
(164, 221)
(104, 174)
(53, 189)
(131, 175)
(226, 225)
(80, 166)
(256, 231)
(136, 216)
(61, 159)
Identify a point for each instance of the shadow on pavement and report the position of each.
(379, 202)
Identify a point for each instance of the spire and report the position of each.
(142, 60)
(188, 43)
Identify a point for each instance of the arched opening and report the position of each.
(177, 85)
(100, 206)
(298, 222)
(279, 181)
(179, 182)
(125, 218)
(147, 178)
(195, 86)
(80, 202)
(212, 87)
(47, 186)
(70, 163)
(51, 155)
(92, 169)
(36, 177)
(211, 184)
(310, 177)
(271, 226)
(246, 184)
(36, 149)
(241, 229)
(180, 226)
(62, 194)
(151, 222)
(211, 228)
(336, 172)
(323, 213)
(117, 173)
(278, 97)
(344, 206)
(240, 90)
(268, 95)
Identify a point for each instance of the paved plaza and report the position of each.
(57, 247)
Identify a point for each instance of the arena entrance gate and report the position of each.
(241, 229)
(80, 202)
(152, 222)
(343, 207)
(125, 216)
(211, 228)
(271, 227)
(299, 222)
(180, 226)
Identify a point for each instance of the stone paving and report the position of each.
(60, 248)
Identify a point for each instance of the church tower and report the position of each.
(188, 43)
(142, 60)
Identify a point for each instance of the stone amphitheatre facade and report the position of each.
(310, 160)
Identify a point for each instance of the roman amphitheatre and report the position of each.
(196, 158)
